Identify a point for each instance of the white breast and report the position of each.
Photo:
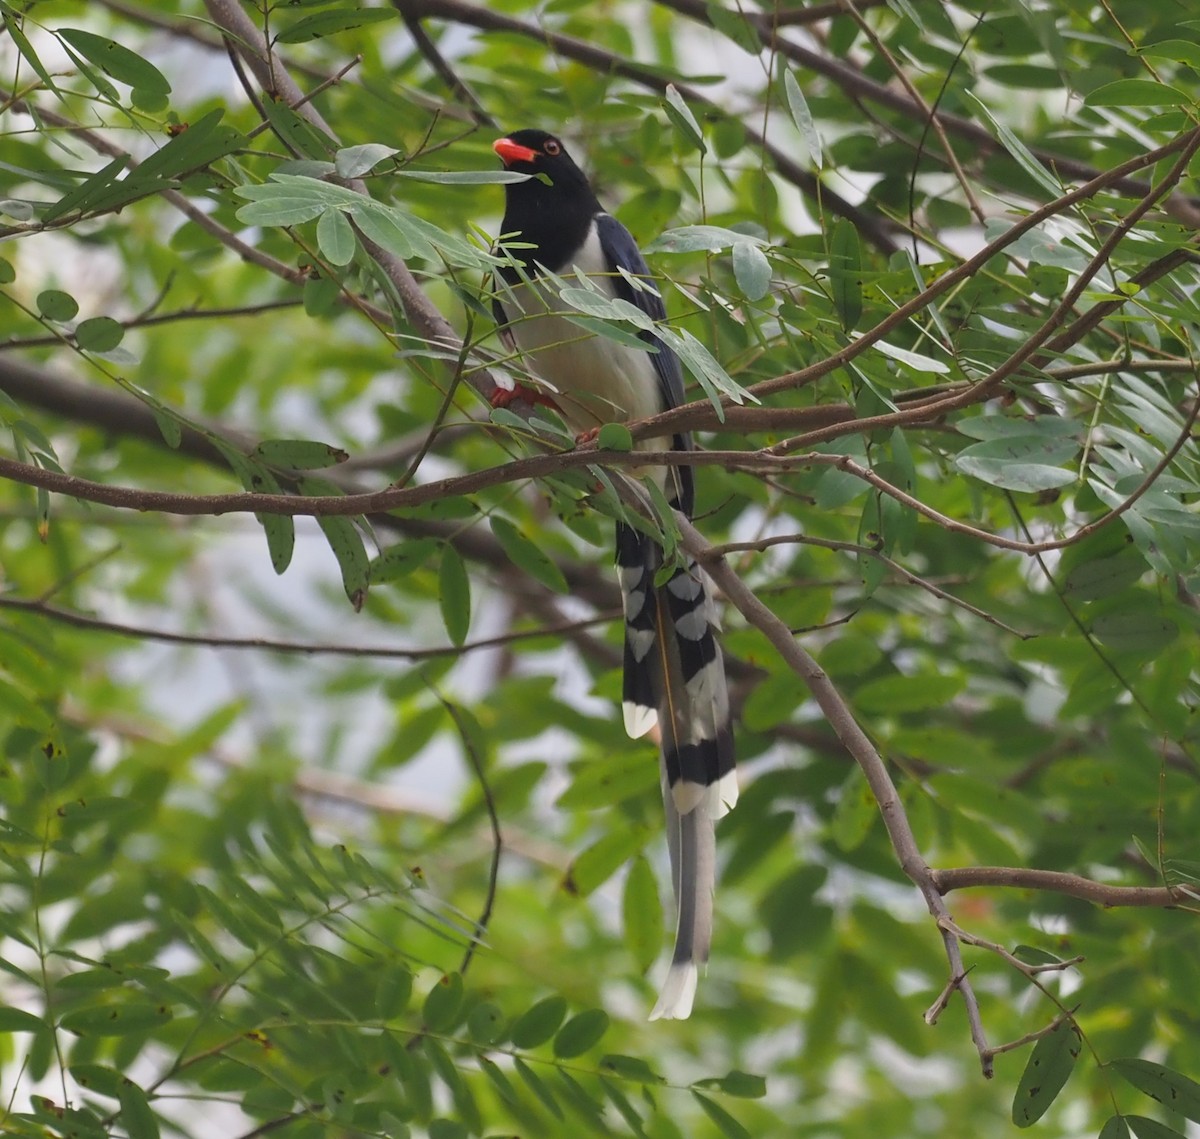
(595, 379)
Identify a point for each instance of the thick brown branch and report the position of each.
(1056, 882)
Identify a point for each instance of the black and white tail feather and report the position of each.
(675, 680)
(674, 674)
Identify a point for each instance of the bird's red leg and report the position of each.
(502, 397)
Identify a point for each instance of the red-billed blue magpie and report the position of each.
(674, 675)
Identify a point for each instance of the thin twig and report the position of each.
(489, 802)
(307, 648)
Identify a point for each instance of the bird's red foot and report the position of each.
(503, 397)
(588, 436)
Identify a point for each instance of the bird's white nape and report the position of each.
(677, 993)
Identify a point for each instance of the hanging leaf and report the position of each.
(725, 1123)
(355, 161)
(685, 122)
(335, 238)
(1172, 1089)
(580, 1034)
(526, 555)
(115, 59)
(845, 272)
(99, 334)
(454, 595)
(54, 304)
(751, 270)
(1046, 1073)
(329, 23)
(642, 913)
(802, 117)
(442, 1004)
(537, 1024)
(299, 454)
(347, 545)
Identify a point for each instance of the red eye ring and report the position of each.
(552, 147)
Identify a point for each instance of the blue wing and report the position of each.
(621, 252)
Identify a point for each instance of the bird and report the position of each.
(554, 228)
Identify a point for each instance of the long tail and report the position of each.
(675, 680)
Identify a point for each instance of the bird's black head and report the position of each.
(539, 152)
(552, 210)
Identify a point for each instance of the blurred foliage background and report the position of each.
(362, 849)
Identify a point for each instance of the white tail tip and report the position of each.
(638, 719)
(677, 993)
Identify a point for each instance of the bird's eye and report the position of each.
(551, 147)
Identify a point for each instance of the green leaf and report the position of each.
(355, 161)
(486, 1024)
(751, 270)
(615, 437)
(914, 360)
(1049, 1067)
(397, 562)
(600, 861)
(18, 1020)
(454, 595)
(1019, 151)
(526, 555)
(99, 334)
(1145, 1128)
(537, 1024)
(99, 1079)
(631, 1068)
(899, 693)
(642, 913)
(12, 25)
(54, 304)
(347, 545)
(116, 1019)
(1172, 1089)
(537, 1085)
(393, 988)
(626, 775)
(685, 122)
(1181, 51)
(1136, 93)
(464, 177)
(299, 454)
(580, 1034)
(335, 237)
(137, 1116)
(443, 1003)
(725, 1123)
(744, 1085)
(448, 1129)
(845, 272)
(1115, 1128)
(329, 23)
(197, 145)
(1138, 627)
(802, 117)
(125, 66)
(698, 238)
(855, 814)
(734, 26)
(1020, 462)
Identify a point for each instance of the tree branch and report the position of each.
(854, 739)
(1057, 882)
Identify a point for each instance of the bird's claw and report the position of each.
(503, 397)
